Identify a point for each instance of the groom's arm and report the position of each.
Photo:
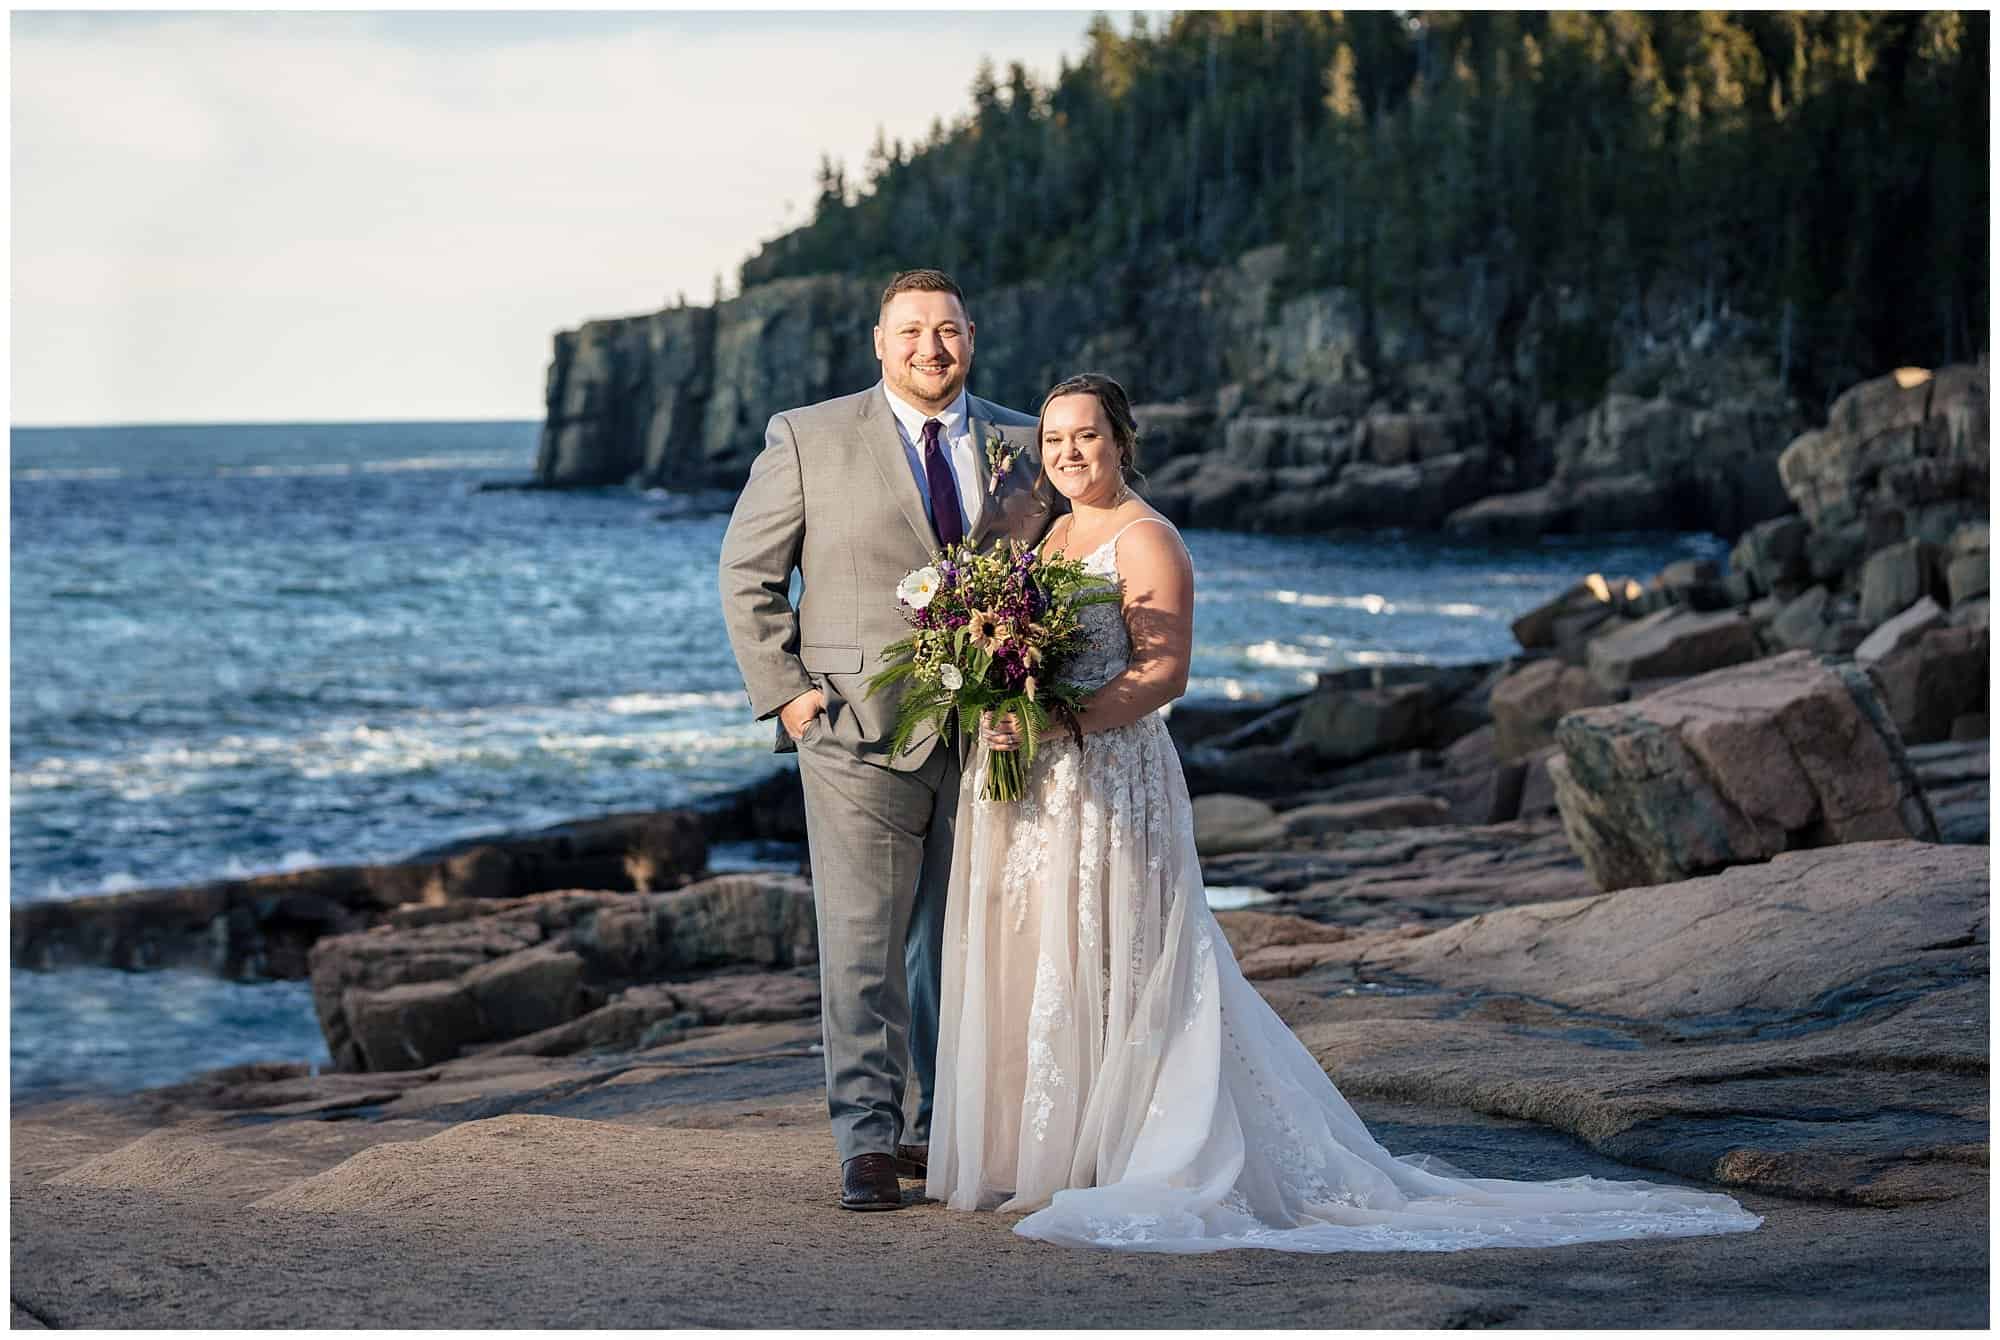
(760, 551)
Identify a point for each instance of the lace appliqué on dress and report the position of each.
(1049, 1014)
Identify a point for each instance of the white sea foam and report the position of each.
(664, 742)
(71, 472)
(64, 771)
(58, 889)
(373, 751)
(1281, 656)
(482, 739)
(489, 461)
(1371, 603)
(647, 704)
(1388, 658)
(290, 471)
(1375, 604)
(238, 868)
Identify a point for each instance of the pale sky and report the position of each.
(315, 216)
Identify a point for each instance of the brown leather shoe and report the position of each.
(868, 1182)
(913, 1161)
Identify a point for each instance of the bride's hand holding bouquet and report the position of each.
(991, 632)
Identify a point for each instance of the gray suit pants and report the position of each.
(881, 844)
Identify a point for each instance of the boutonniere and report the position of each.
(999, 459)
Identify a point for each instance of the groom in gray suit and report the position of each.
(854, 494)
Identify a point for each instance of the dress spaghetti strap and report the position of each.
(1113, 541)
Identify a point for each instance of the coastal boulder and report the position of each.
(1816, 620)
(644, 851)
(1779, 938)
(1226, 823)
(1416, 493)
(439, 979)
(1731, 767)
(1543, 510)
(1633, 500)
(1268, 442)
(1896, 577)
(1907, 450)
(1565, 624)
(1271, 945)
(1193, 721)
(1214, 494)
(1896, 633)
(1342, 726)
(265, 926)
(1398, 439)
(1965, 564)
(1266, 770)
(1635, 462)
(1538, 785)
(360, 981)
(1772, 556)
(1670, 642)
(1365, 711)
(1956, 782)
(761, 919)
(656, 1013)
(1175, 431)
(262, 926)
(1693, 582)
(1327, 821)
(408, 1027)
(1797, 626)
(1528, 703)
(1929, 683)
(749, 997)
(527, 991)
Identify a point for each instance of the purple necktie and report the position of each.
(945, 516)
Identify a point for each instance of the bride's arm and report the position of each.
(1159, 615)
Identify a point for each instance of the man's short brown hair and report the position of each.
(922, 281)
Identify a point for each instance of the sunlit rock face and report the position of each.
(1734, 767)
(1271, 406)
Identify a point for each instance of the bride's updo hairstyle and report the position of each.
(1118, 409)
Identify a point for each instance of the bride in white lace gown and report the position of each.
(1102, 1061)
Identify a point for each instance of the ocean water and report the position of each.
(255, 648)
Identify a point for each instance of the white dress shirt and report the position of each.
(955, 435)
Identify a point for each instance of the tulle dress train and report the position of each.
(1104, 1064)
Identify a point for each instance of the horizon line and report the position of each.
(266, 423)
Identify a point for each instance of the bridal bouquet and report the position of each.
(991, 632)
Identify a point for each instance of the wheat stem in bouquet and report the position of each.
(990, 631)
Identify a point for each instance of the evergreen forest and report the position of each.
(1823, 173)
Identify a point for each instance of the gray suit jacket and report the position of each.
(832, 497)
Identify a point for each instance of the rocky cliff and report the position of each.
(1268, 404)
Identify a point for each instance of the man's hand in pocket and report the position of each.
(797, 715)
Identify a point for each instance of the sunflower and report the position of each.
(988, 631)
